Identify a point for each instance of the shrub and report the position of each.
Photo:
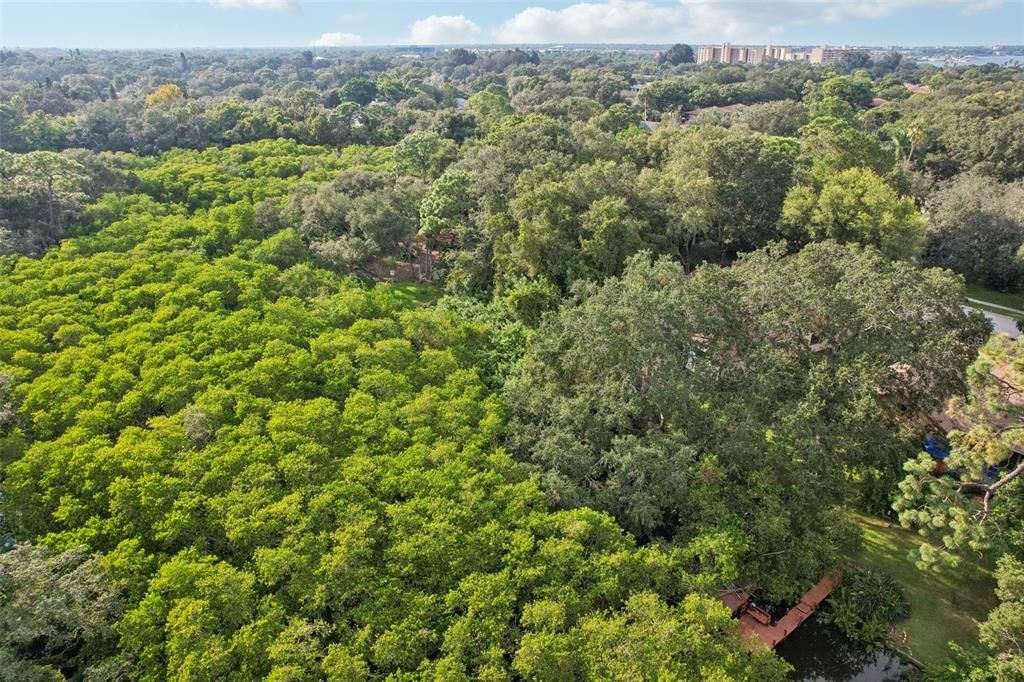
(867, 603)
(875, 490)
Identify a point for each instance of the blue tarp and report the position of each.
(936, 447)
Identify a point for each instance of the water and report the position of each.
(977, 61)
(821, 653)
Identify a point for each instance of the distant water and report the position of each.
(977, 61)
(819, 652)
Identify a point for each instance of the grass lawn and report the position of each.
(1000, 311)
(944, 606)
(415, 293)
(998, 297)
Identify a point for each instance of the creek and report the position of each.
(819, 652)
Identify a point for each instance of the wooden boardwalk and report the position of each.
(762, 634)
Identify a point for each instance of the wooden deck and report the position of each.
(762, 635)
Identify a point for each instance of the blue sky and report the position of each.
(292, 23)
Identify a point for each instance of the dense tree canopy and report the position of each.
(856, 206)
(285, 474)
(671, 349)
(677, 54)
(977, 228)
(650, 395)
(57, 613)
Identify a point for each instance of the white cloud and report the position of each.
(696, 21)
(274, 5)
(337, 39)
(435, 30)
(616, 21)
(981, 6)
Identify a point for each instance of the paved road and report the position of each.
(1001, 323)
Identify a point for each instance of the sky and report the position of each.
(295, 23)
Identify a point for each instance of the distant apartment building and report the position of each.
(781, 54)
(727, 54)
(832, 55)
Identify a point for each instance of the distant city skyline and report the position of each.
(297, 23)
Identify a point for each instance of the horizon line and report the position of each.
(436, 46)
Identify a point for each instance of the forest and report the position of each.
(432, 364)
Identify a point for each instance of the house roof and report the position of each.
(725, 109)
